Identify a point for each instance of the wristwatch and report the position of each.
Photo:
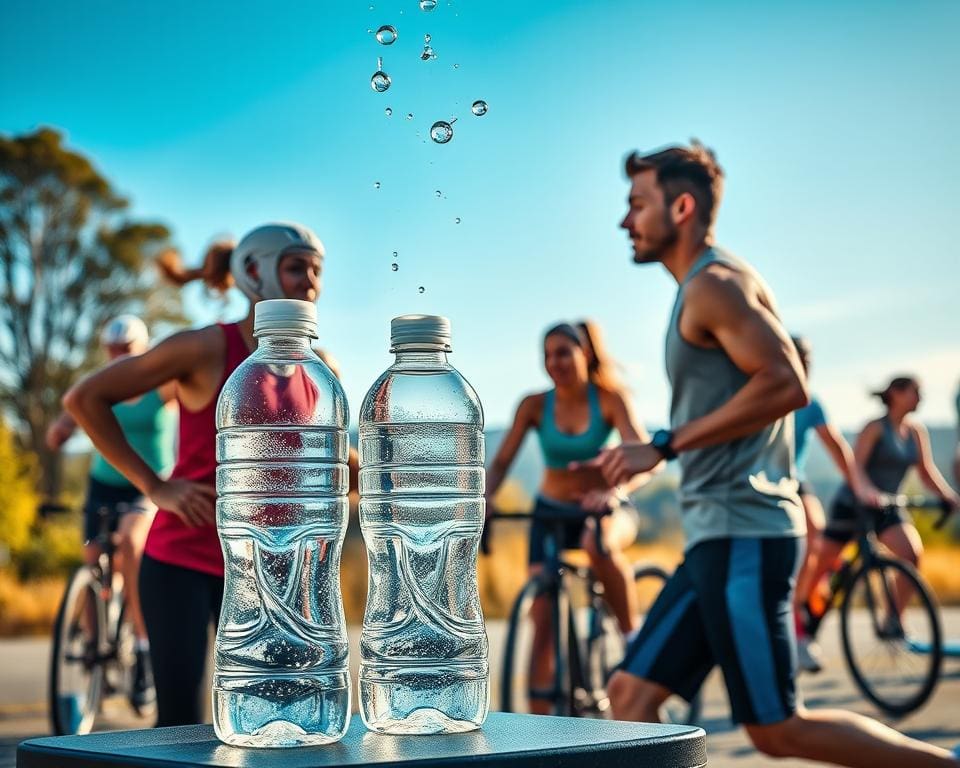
(663, 441)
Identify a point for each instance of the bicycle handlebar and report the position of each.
(903, 501)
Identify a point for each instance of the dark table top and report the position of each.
(520, 741)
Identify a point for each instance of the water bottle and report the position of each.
(280, 662)
(423, 647)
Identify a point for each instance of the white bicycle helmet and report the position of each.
(254, 261)
(124, 329)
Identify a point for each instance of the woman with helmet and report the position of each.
(181, 578)
(147, 421)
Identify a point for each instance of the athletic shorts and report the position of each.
(570, 530)
(118, 501)
(730, 603)
(843, 523)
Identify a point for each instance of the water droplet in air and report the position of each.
(376, 185)
(394, 254)
(428, 5)
(426, 39)
(479, 107)
(441, 132)
(380, 81)
(409, 115)
(439, 193)
(371, 8)
(394, 266)
(456, 66)
(388, 112)
(387, 35)
(456, 220)
(421, 289)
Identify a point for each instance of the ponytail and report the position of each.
(215, 270)
(602, 368)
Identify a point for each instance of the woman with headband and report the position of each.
(574, 421)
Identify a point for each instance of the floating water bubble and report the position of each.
(409, 115)
(479, 107)
(376, 185)
(442, 131)
(394, 266)
(456, 220)
(387, 35)
(394, 254)
(421, 289)
(427, 53)
(388, 112)
(439, 193)
(428, 5)
(380, 81)
(456, 66)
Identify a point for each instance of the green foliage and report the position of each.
(70, 259)
(18, 501)
(55, 548)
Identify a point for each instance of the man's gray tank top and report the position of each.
(889, 461)
(746, 488)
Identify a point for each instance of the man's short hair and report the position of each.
(692, 169)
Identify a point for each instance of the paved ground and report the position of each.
(23, 671)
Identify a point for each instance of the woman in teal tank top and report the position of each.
(148, 423)
(574, 422)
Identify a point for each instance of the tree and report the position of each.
(18, 503)
(70, 259)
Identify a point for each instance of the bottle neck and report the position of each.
(421, 358)
(283, 345)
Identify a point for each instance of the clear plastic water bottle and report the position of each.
(280, 666)
(423, 648)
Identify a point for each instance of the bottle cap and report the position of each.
(285, 315)
(430, 331)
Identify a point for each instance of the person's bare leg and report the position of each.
(541, 651)
(635, 698)
(904, 542)
(614, 571)
(813, 511)
(845, 738)
(132, 531)
(829, 552)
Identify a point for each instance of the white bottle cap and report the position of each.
(430, 331)
(293, 316)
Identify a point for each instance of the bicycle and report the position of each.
(882, 647)
(587, 641)
(93, 653)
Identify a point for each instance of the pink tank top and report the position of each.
(170, 540)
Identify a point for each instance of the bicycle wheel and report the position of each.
(76, 669)
(517, 692)
(894, 659)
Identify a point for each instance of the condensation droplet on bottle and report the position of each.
(387, 35)
(428, 5)
(380, 81)
(479, 107)
(441, 131)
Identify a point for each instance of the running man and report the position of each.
(736, 378)
(147, 422)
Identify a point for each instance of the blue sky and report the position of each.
(835, 121)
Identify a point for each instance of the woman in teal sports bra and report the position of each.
(574, 421)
